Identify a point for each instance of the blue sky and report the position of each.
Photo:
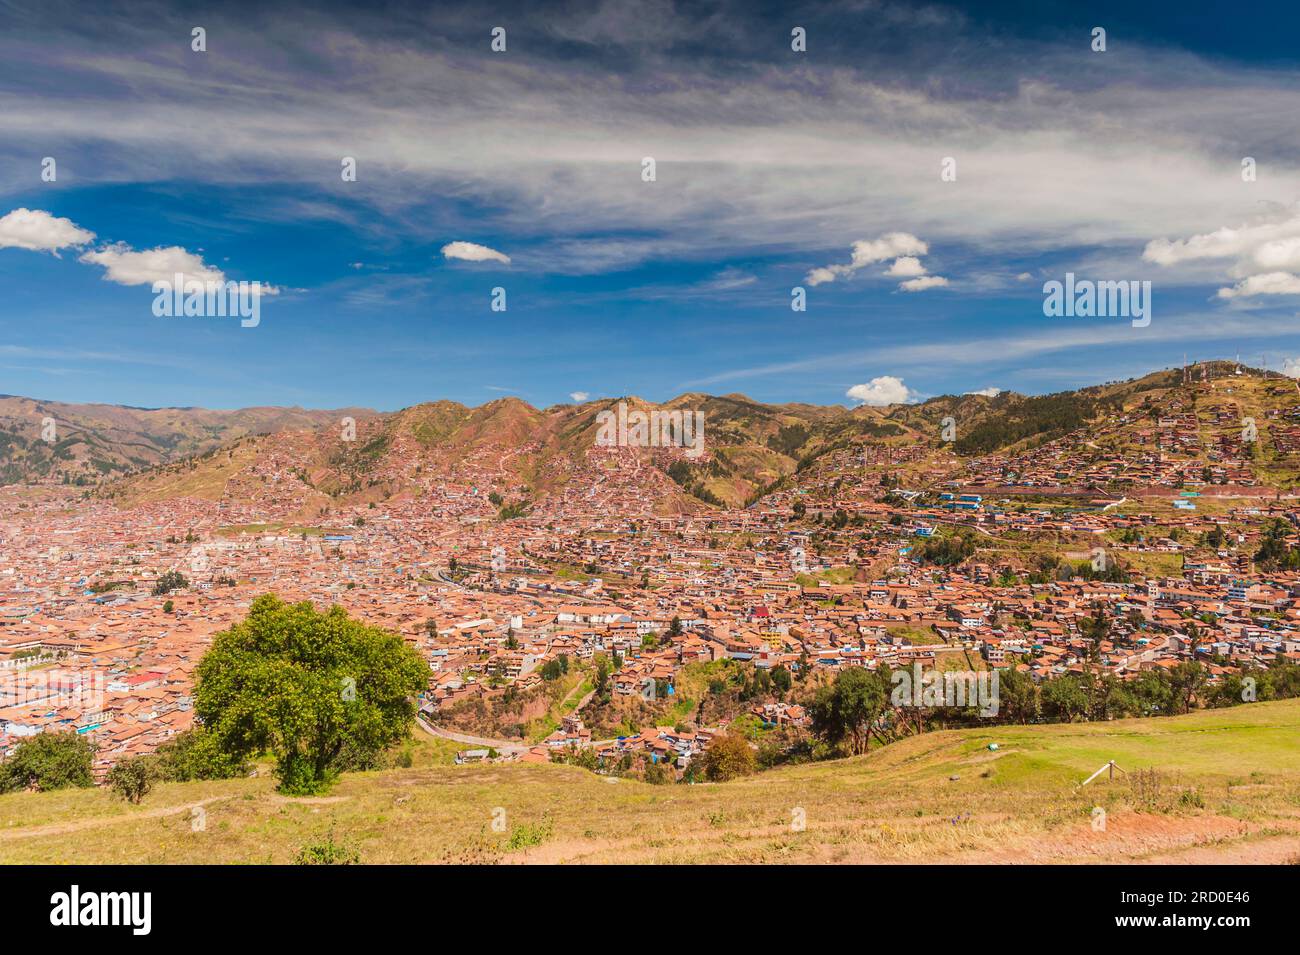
(772, 167)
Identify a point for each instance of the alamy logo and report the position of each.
(658, 429)
(195, 299)
(82, 691)
(103, 908)
(931, 688)
(1086, 299)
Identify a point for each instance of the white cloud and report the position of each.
(989, 392)
(1291, 367)
(906, 267)
(1269, 283)
(730, 278)
(127, 266)
(902, 246)
(887, 247)
(38, 231)
(923, 283)
(1279, 254)
(1266, 254)
(579, 396)
(1271, 241)
(473, 252)
(885, 390)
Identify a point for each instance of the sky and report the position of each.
(919, 171)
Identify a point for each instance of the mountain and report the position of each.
(82, 444)
(507, 457)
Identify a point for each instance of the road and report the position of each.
(500, 745)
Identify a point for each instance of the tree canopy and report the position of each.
(49, 761)
(843, 713)
(320, 691)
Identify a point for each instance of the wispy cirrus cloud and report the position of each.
(756, 156)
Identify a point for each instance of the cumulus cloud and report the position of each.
(903, 247)
(906, 266)
(893, 245)
(923, 283)
(885, 390)
(1291, 367)
(1269, 283)
(989, 392)
(579, 396)
(1265, 254)
(473, 252)
(127, 266)
(887, 247)
(38, 231)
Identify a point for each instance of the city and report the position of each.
(629, 432)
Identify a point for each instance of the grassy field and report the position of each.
(1226, 787)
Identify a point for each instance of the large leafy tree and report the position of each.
(1186, 680)
(320, 691)
(1065, 698)
(844, 712)
(1017, 696)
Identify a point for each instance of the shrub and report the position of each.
(328, 852)
(132, 778)
(49, 761)
(728, 756)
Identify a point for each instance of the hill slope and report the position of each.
(1163, 428)
(88, 442)
(1227, 789)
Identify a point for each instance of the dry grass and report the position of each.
(900, 804)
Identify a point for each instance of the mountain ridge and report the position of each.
(526, 455)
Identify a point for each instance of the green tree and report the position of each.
(320, 691)
(728, 756)
(1186, 680)
(601, 684)
(195, 754)
(781, 678)
(844, 712)
(1065, 698)
(1153, 693)
(49, 761)
(172, 580)
(1017, 696)
(133, 777)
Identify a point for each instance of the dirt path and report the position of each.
(98, 822)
